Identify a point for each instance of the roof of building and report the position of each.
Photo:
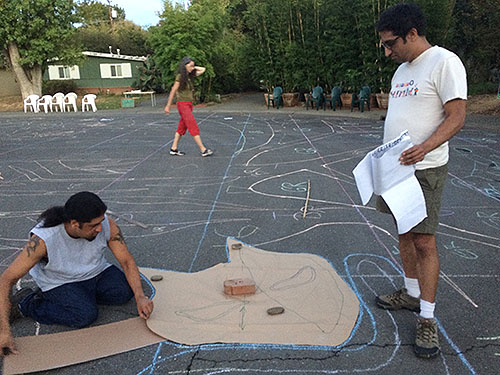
(115, 56)
(110, 55)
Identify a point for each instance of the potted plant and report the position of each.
(382, 100)
(384, 81)
(352, 83)
(292, 80)
(290, 99)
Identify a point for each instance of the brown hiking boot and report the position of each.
(398, 300)
(427, 340)
(15, 298)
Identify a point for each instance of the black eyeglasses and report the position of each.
(389, 44)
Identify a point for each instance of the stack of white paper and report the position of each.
(380, 172)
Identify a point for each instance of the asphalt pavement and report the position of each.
(176, 213)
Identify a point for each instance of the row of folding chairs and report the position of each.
(58, 103)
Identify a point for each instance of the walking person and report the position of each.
(65, 256)
(184, 88)
(427, 98)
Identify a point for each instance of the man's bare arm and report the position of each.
(32, 245)
(31, 254)
(119, 249)
(453, 122)
(118, 236)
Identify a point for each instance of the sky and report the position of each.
(141, 12)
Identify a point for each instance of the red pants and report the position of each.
(187, 121)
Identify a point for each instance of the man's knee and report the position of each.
(83, 316)
(119, 296)
(425, 244)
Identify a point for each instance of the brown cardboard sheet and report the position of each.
(45, 352)
(191, 308)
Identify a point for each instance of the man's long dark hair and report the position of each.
(82, 207)
(183, 72)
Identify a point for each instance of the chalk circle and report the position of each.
(156, 278)
(276, 310)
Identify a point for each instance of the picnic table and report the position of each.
(139, 92)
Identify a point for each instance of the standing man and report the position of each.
(65, 257)
(428, 98)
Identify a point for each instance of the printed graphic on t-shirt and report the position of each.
(404, 89)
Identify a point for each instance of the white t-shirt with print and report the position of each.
(419, 90)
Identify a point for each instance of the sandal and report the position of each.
(207, 152)
(176, 152)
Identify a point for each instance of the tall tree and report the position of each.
(32, 32)
(129, 38)
(474, 36)
(199, 32)
(299, 43)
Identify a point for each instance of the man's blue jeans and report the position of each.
(75, 304)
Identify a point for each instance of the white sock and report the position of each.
(427, 309)
(412, 287)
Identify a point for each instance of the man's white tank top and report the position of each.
(69, 259)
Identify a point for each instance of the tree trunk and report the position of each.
(29, 79)
(299, 14)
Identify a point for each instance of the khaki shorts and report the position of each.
(432, 181)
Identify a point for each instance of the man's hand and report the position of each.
(413, 155)
(144, 307)
(7, 344)
(167, 109)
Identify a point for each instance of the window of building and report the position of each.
(61, 72)
(116, 70)
(64, 72)
(123, 70)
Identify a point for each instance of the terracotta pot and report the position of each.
(290, 99)
(382, 100)
(346, 100)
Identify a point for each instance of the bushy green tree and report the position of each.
(201, 32)
(286, 42)
(98, 31)
(300, 43)
(33, 32)
(150, 77)
(474, 35)
(96, 38)
(92, 12)
(129, 38)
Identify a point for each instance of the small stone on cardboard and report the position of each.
(276, 310)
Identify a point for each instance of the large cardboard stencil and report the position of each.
(320, 308)
(191, 308)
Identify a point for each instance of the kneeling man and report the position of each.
(65, 257)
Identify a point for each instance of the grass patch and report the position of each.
(109, 101)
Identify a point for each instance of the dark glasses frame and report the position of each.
(389, 44)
